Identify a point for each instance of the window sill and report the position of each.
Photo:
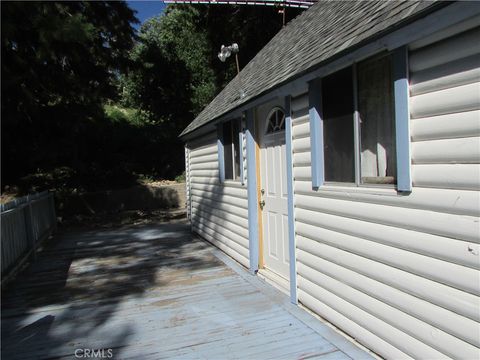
(383, 190)
(230, 182)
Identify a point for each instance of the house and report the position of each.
(342, 165)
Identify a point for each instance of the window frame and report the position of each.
(273, 111)
(221, 145)
(401, 123)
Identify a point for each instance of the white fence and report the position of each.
(25, 223)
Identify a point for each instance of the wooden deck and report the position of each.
(154, 292)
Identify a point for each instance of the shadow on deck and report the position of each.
(149, 292)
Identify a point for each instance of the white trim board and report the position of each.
(275, 280)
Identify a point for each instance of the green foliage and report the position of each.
(180, 178)
(116, 114)
(145, 179)
(116, 150)
(171, 76)
(57, 178)
(87, 104)
(176, 72)
(59, 65)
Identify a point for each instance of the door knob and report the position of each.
(262, 204)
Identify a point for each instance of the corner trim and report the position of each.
(402, 118)
(290, 204)
(252, 192)
(221, 156)
(316, 132)
(240, 145)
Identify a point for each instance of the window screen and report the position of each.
(377, 128)
(337, 99)
(236, 148)
(231, 148)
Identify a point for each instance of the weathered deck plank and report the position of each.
(153, 292)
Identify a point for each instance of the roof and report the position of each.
(326, 30)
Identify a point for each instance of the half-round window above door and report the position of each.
(275, 121)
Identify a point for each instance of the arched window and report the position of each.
(275, 121)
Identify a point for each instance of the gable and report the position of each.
(327, 30)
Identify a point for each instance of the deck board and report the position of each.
(153, 292)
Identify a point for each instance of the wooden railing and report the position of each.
(25, 223)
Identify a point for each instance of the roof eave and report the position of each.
(394, 27)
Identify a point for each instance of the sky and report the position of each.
(146, 9)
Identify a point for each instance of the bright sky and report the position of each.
(146, 9)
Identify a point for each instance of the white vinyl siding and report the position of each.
(445, 106)
(219, 212)
(400, 273)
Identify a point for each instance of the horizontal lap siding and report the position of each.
(400, 273)
(219, 212)
(444, 106)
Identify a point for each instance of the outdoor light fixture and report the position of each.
(226, 52)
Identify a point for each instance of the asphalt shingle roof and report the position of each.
(326, 30)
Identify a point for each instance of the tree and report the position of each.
(251, 27)
(176, 70)
(63, 61)
(172, 76)
(171, 79)
(60, 61)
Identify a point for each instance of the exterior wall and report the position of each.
(219, 212)
(400, 273)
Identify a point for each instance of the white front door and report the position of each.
(275, 210)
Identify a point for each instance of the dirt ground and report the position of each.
(7, 197)
(123, 218)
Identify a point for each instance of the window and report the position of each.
(338, 126)
(275, 121)
(359, 123)
(376, 121)
(231, 149)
